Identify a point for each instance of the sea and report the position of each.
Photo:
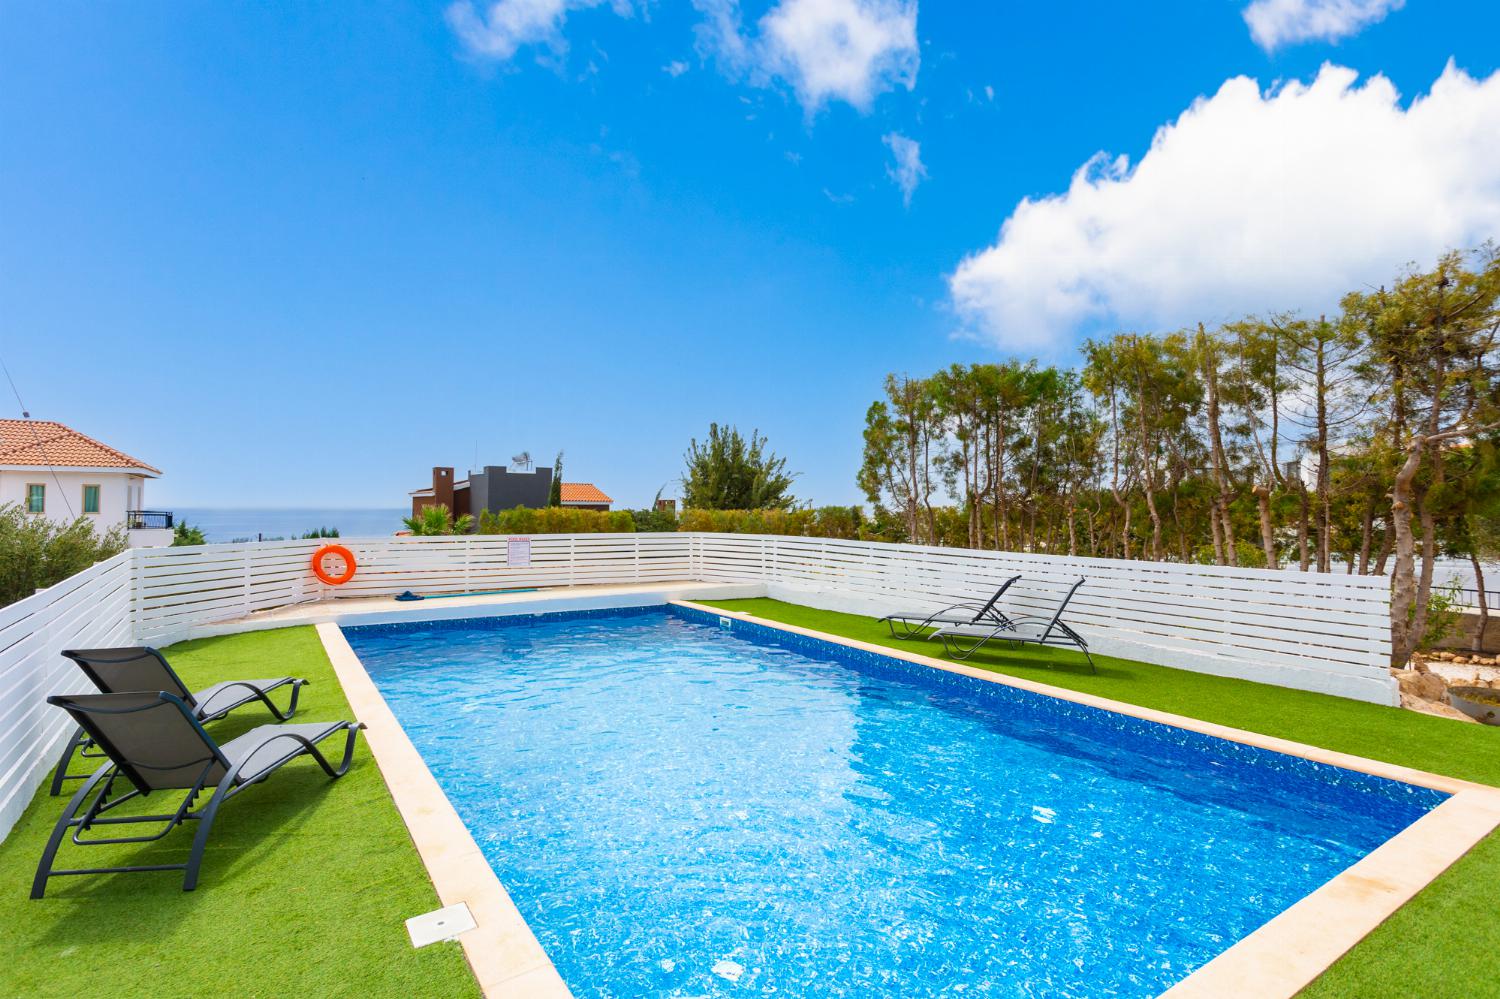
(263, 524)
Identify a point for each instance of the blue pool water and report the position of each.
(683, 809)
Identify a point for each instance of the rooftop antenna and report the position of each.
(521, 462)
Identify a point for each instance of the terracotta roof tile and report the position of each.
(583, 492)
(43, 443)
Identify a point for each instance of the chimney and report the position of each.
(442, 487)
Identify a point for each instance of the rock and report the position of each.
(1419, 665)
(1421, 684)
(1434, 708)
(1431, 687)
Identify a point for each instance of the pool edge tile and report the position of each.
(503, 954)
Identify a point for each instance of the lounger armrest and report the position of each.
(308, 747)
(970, 631)
(937, 610)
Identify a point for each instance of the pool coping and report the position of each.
(504, 955)
(1293, 948)
(1278, 959)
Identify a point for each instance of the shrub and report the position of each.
(36, 552)
(555, 520)
(654, 520)
(824, 522)
(437, 520)
(1444, 612)
(183, 535)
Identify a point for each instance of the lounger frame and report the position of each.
(79, 745)
(91, 803)
(985, 611)
(961, 645)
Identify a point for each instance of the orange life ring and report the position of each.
(341, 552)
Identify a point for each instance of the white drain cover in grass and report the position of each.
(440, 924)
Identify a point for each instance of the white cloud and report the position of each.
(847, 50)
(908, 170)
(827, 50)
(503, 27)
(1274, 23)
(720, 34)
(1250, 201)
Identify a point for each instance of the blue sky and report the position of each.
(298, 254)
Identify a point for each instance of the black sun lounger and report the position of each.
(962, 641)
(116, 671)
(156, 743)
(971, 612)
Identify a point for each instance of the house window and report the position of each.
(36, 498)
(90, 499)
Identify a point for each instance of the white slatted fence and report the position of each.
(90, 609)
(1323, 632)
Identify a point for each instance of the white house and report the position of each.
(54, 471)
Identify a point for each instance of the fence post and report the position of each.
(137, 593)
(245, 582)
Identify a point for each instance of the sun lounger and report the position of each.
(156, 743)
(962, 641)
(914, 624)
(116, 671)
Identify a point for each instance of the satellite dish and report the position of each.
(522, 460)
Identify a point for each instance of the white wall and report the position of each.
(65, 488)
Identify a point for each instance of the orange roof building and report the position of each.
(53, 471)
(585, 496)
(45, 444)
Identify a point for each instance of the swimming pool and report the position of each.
(680, 808)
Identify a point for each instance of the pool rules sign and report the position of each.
(518, 553)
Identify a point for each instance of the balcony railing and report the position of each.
(141, 520)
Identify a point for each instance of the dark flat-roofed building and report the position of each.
(500, 488)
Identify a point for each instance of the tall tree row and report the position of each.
(1360, 442)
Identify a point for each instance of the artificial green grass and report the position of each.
(304, 887)
(1441, 944)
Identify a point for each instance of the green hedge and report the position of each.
(822, 522)
(556, 520)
